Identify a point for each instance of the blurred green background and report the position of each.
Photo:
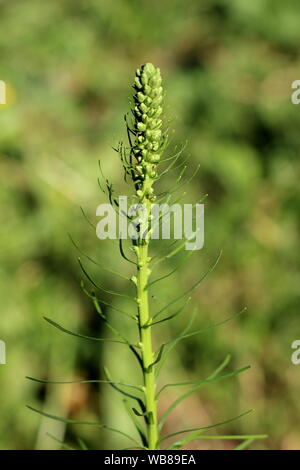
(227, 69)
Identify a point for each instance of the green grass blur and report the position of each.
(227, 69)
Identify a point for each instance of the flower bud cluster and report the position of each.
(147, 123)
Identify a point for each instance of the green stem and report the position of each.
(146, 339)
(146, 151)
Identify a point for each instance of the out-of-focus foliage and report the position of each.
(228, 69)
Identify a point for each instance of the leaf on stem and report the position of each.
(198, 431)
(170, 316)
(210, 327)
(171, 344)
(191, 289)
(136, 423)
(78, 335)
(56, 382)
(100, 287)
(129, 395)
(170, 273)
(96, 262)
(196, 388)
(123, 253)
(91, 295)
(89, 423)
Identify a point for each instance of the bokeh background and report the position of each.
(228, 69)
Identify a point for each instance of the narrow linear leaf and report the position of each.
(196, 388)
(105, 268)
(115, 330)
(56, 382)
(123, 253)
(174, 158)
(89, 423)
(173, 252)
(158, 357)
(87, 219)
(200, 430)
(172, 343)
(180, 310)
(136, 423)
(97, 286)
(171, 272)
(191, 289)
(204, 330)
(138, 413)
(79, 335)
(91, 295)
(82, 444)
(211, 376)
(244, 444)
(126, 394)
(62, 443)
(177, 186)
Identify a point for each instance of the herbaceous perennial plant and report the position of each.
(140, 160)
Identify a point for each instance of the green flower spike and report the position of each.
(147, 127)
